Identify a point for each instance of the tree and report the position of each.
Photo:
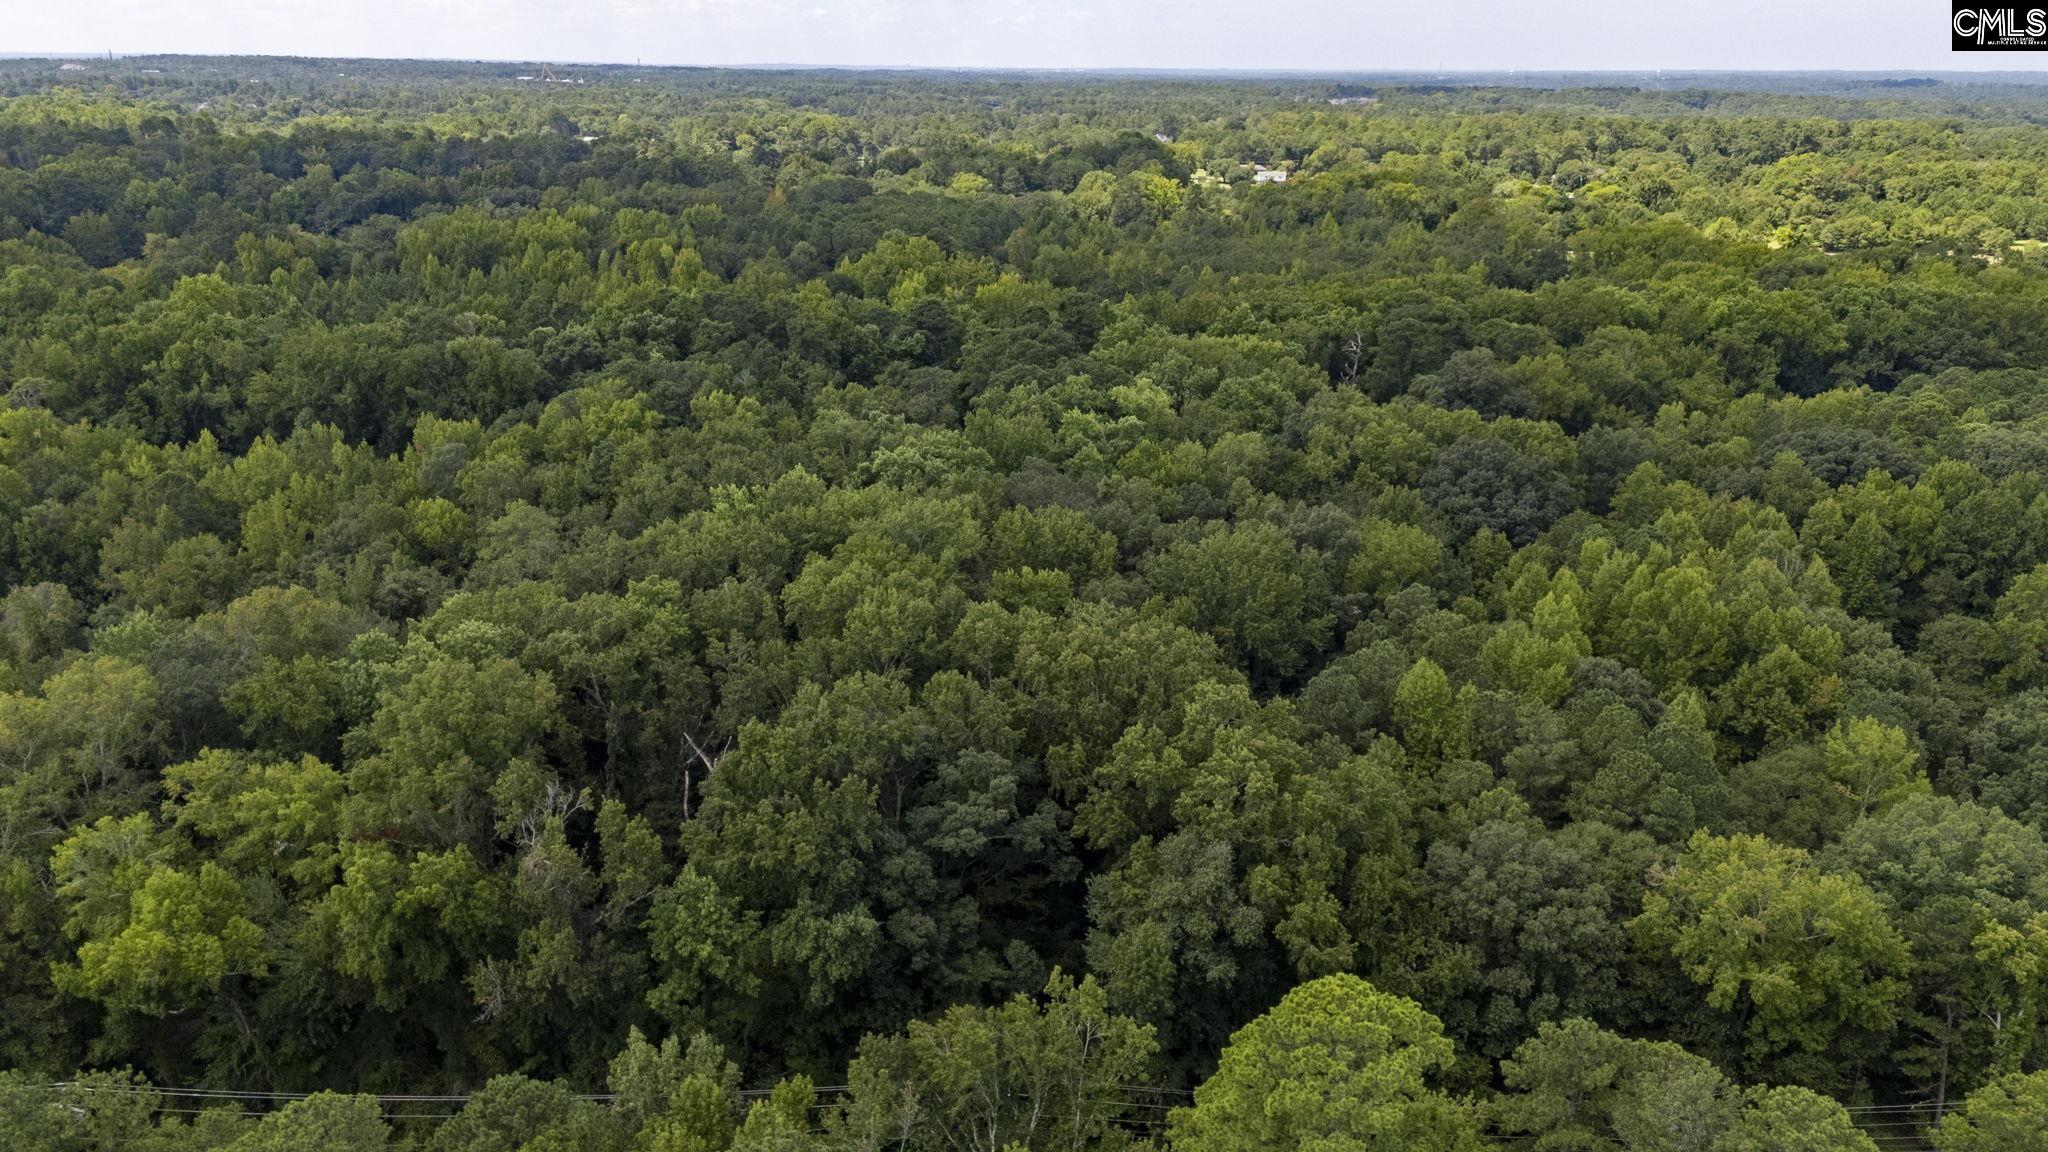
(780, 1123)
(1803, 964)
(1871, 764)
(675, 1099)
(513, 1113)
(323, 1120)
(443, 735)
(1794, 1120)
(1529, 926)
(1575, 1087)
(1480, 482)
(1051, 1076)
(1964, 885)
(2003, 749)
(1474, 379)
(1336, 1064)
(2009, 1114)
(72, 752)
(1253, 590)
(1427, 714)
(1391, 557)
(489, 567)
(153, 937)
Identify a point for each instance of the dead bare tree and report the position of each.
(1354, 357)
(709, 761)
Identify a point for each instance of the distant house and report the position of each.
(72, 66)
(1264, 175)
(1345, 101)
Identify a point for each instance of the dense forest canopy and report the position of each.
(650, 609)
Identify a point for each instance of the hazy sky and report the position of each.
(1266, 34)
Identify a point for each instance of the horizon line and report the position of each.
(2039, 74)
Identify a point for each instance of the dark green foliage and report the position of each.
(737, 610)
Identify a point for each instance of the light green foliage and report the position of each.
(1337, 1064)
(1807, 960)
(278, 818)
(98, 1112)
(1391, 557)
(1053, 1076)
(70, 750)
(779, 1123)
(152, 936)
(1427, 714)
(1577, 1088)
(2009, 1114)
(513, 1113)
(1795, 1120)
(443, 734)
(321, 1121)
(1871, 764)
(676, 1099)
